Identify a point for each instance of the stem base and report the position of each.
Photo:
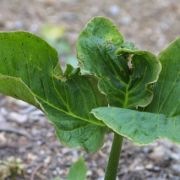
(114, 156)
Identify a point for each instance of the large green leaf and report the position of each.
(167, 90)
(140, 127)
(29, 71)
(163, 118)
(125, 75)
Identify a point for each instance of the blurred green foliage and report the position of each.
(55, 36)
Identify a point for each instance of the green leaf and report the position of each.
(163, 118)
(16, 88)
(140, 127)
(167, 89)
(29, 71)
(78, 171)
(125, 75)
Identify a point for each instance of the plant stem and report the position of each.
(114, 156)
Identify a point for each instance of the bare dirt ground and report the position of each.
(24, 131)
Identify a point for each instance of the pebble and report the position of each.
(125, 20)
(139, 168)
(156, 168)
(47, 160)
(54, 172)
(2, 100)
(100, 172)
(159, 154)
(114, 10)
(34, 28)
(19, 118)
(100, 178)
(31, 157)
(149, 166)
(2, 119)
(28, 109)
(3, 112)
(136, 165)
(176, 168)
(75, 154)
(19, 24)
(29, 171)
(175, 156)
(2, 138)
(89, 173)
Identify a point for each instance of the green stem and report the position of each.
(114, 156)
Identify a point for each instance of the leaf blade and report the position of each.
(161, 119)
(167, 89)
(103, 54)
(33, 69)
(140, 127)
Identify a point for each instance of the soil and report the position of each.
(25, 133)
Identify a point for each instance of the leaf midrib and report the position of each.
(126, 98)
(70, 113)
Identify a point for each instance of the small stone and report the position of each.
(176, 168)
(19, 118)
(149, 166)
(156, 168)
(146, 150)
(19, 102)
(42, 152)
(159, 154)
(2, 119)
(3, 112)
(100, 178)
(2, 138)
(34, 27)
(54, 172)
(58, 170)
(89, 173)
(114, 10)
(139, 168)
(75, 154)
(31, 157)
(2, 24)
(2, 100)
(175, 156)
(18, 24)
(27, 109)
(100, 172)
(47, 160)
(135, 165)
(29, 171)
(126, 20)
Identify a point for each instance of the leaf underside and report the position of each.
(29, 71)
(140, 127)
